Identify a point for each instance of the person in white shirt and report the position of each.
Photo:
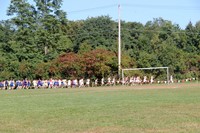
(151, 80)
(69, 83)
(81, 83)
(88, 82)
(102, 82)
(171, 79)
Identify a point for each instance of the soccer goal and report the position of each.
(149, 68)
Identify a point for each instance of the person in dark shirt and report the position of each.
(1, 85)
(25, 84)
(12, 84)
(6, 84)
(39, 84)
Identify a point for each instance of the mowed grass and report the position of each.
(167, 108)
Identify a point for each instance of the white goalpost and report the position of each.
(148, 68)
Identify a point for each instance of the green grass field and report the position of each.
(148, 108)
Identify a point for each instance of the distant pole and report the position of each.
(119, 43)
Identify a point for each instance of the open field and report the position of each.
(143, 108)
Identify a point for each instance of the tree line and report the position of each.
(38, 41)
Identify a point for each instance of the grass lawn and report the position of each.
(148, 108)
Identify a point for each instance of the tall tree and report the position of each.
(100, 32)
(191, 38)
(52, 38)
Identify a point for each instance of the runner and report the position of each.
(102, 82)
(69, 83)
(87, 83)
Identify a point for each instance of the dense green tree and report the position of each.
(39, 42)
(197, 26)
(24, 22)
(98, 32)
(191, 45)
(131, 32)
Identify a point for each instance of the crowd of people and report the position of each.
(64, 83)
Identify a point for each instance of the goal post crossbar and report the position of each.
(148, 68)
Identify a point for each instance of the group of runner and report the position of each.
(64, 83)
(51, 83)
(68, 83)
(36, 84)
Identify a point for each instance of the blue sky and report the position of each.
(178, 11)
